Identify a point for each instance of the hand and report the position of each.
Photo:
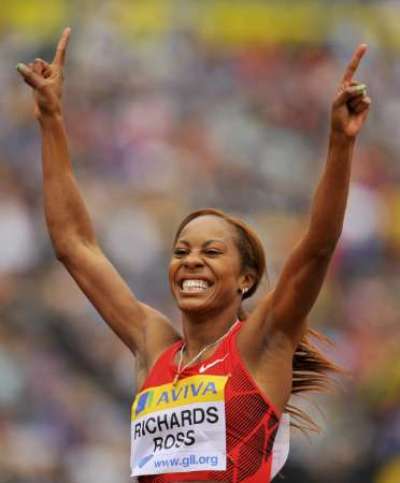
(351, 105)
(46, 80)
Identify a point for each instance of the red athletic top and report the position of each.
(251, 420)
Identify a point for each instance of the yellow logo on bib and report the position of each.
(195, 389)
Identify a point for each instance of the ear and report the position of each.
(247, 280)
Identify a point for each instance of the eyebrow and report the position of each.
(205, 244)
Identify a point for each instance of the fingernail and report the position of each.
(360, 87)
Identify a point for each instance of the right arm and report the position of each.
(141, 328)
(144, 330)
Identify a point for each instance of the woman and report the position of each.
(210, 402)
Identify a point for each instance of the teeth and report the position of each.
(194, 285)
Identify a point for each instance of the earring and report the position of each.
(244, 290)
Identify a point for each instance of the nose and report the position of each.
(193, 260)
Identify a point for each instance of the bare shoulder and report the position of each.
(267, 353)
(159, 334)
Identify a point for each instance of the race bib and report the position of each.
(179, 428)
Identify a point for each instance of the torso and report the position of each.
(251, 419)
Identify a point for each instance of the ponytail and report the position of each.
(312, 372)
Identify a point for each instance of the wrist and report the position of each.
(340, 137)
(49, 118)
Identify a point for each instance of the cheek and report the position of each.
(171, 271)
(230, 276)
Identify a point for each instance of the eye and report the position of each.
(180, 252)
(213, 252)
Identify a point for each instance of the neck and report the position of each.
(200, 330)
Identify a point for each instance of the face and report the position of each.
(205, 269)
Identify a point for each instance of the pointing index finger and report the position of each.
(354, 63)
(59, 58)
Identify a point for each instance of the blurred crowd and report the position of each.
(158, 127)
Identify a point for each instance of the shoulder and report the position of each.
(161, 369)
(159, 333)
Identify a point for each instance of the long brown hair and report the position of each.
(312, 371)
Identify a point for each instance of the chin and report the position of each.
(197, 305)
(193, 306)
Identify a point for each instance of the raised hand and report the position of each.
(351, 105)
(46, 79)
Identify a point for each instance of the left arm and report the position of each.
(284, 310)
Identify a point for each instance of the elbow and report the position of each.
(65, 250)
(61, 252)
(324, 233)
(60, 241)
(68, 246)
(325, 251)
(321, 252)
(62, 258)
(322, 246)
(72, 252)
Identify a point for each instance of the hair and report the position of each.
(312, 371)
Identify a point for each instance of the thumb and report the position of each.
(30, 77)
(349, 93)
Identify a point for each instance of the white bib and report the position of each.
(179, 428)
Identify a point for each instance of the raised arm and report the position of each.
(144, 330)
(285, 309)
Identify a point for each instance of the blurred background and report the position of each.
(172, 106)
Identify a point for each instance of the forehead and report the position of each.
(208, 227)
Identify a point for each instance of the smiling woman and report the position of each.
(211, 402)
(230, 236)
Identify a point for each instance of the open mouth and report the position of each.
(194, 286)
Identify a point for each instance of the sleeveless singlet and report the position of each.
(251, 420)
